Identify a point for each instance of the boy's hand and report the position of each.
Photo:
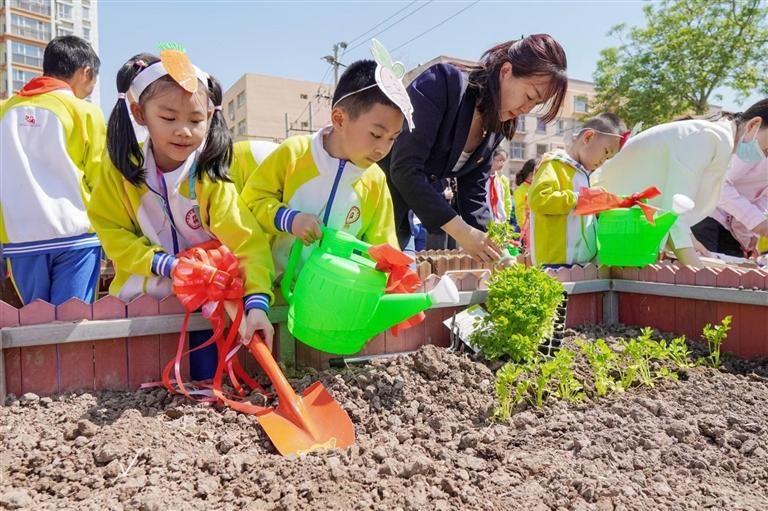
(474, 242)
(306, 227)
(257, 321)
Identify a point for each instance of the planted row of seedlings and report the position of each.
(522, 308)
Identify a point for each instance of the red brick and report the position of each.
(728, 277)
(706, 277)
(577, 273)
(733, 343)
(753, 279)
(9, 315)
(590, 272)
(666, 274)
(12, 359)
(76, 359)
(143, 352)
(754, 335)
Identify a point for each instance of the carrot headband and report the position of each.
(389, 78)
(173, 62)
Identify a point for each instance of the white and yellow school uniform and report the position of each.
(142, 226)
(301, 177)
(558, 236)
(50, 152)
(247, 155)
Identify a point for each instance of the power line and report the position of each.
(381, 22)
(420, 7)
(409, 41)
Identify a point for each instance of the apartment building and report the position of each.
(26, 26)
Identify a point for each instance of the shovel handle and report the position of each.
(265, 359)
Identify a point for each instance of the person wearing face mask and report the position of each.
(462, 114)
(741, 217)
(687, 157)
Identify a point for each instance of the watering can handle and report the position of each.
(290, 270)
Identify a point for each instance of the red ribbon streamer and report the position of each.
(206, 276)
(595, 200)
(401, 278)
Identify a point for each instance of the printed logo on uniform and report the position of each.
(353, 215)
(193, 221)
(30, 119)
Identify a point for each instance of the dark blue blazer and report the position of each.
(443, 109)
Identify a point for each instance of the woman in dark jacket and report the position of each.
(461, 115)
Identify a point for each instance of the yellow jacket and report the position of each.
(521, 203)
(558, 236)
(247, 155)
(300, 176)
(136, 228)
(50, 152)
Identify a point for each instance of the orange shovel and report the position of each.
(299, 424)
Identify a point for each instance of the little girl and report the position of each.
(153, 201)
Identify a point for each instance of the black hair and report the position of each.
(123, 147)
(500, 150)
(360, 74)
(606, 123)
(535, 55)
(527, 169)
(759, 109)
(64, 55)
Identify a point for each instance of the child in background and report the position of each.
(523, 180)
(331, 177)
(498, 196)
(558, 236)
(52, 142)
(154, 201)
(691, 158)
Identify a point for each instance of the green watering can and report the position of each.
(626, 238)
(338, 302)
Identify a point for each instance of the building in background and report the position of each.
(260, 107)
(26, 27)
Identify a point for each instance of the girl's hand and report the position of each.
(256, 321)
(306, 227)
(474, 242)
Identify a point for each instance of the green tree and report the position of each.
(687, 49)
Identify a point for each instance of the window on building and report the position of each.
(27, 54)
(32, 28)
(304, 124)
(560, 127)
(577, 125)
(86, 33)
(241, 128)
(39, 6)
(541, 126)
(64, 30)
(541, 149)
(518, 151)
(86, 13)
(520, 126)
(580, 104)
(21, 77)
(63, 11)
(241, 100)
(231, 110)
(303, 96)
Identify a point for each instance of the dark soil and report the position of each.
(424, 441)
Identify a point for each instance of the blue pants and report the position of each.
(202, 363)
(57, 276)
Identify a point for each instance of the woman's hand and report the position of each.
(256, 321)
(474, 242)
(306, 227)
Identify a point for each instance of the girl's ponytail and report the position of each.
(122, 145)
(217, 152)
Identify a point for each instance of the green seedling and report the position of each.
(569, 388)
(715, 336)
(602, 360)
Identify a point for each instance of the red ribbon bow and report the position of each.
(401, 278)
(595, 200)
(206, 276)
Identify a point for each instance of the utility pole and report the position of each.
(334, 60)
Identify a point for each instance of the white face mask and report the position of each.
(750, 152)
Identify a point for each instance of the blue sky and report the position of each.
(289, 38)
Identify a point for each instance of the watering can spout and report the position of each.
(394, 308)
(664, 224)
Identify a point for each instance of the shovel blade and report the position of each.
(330, 426)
